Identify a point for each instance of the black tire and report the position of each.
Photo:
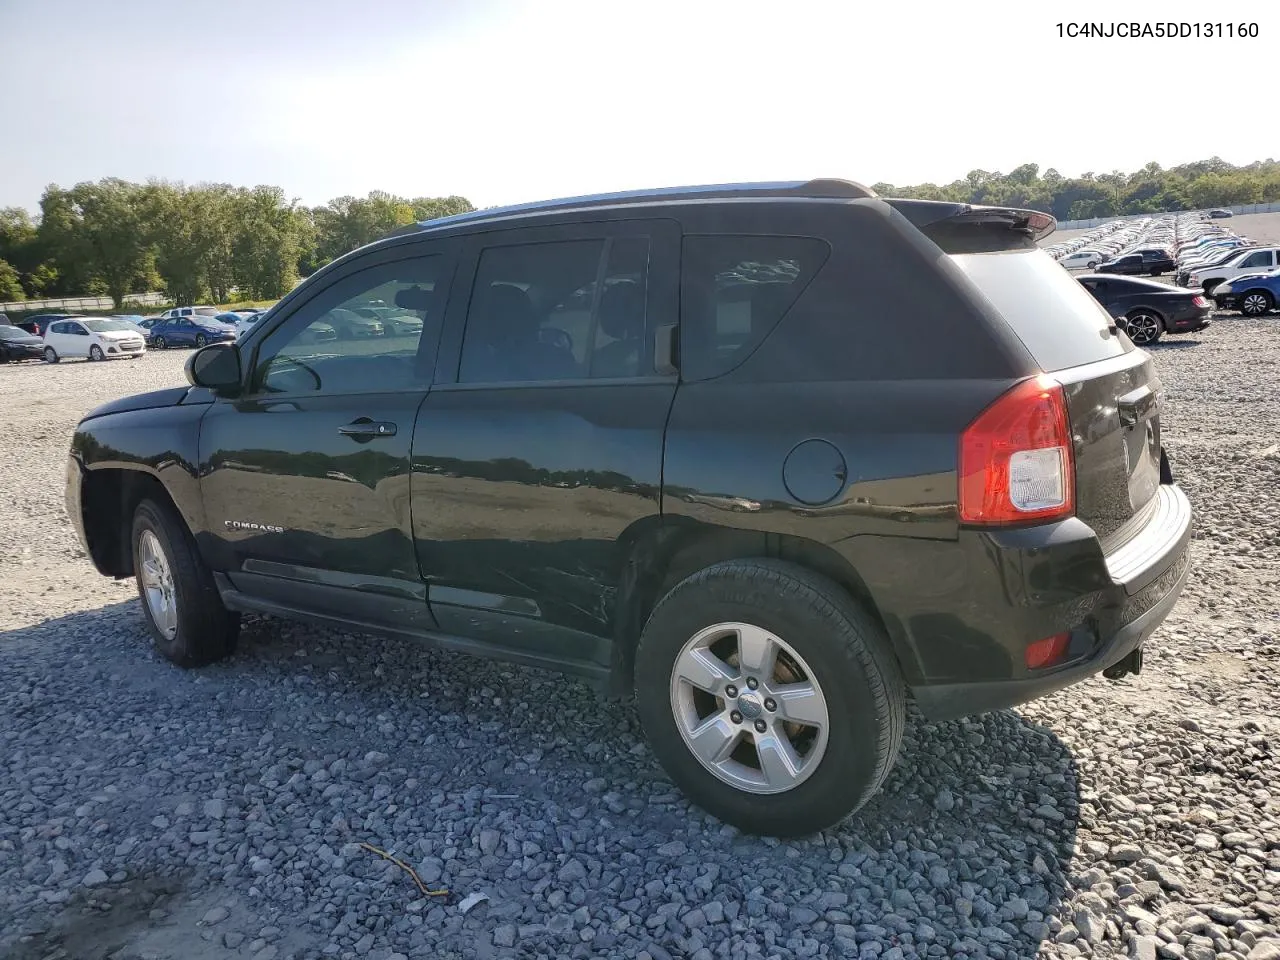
(201, 339)
(845, 649)
(1144, 327)
(95, 353)
(1255, 303)
(158, 343)
(206, 631)
(51, 355)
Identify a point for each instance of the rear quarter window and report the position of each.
(734, 290)
(1056, 318)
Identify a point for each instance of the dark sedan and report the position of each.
(1140, 263)
(193, 331)
(38, 323)
(18, 344)
(1148, 309)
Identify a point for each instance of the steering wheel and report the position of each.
(555, 337)
(282, 359)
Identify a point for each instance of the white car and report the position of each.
(1082, 260)
(175, 312)
(92, 338)
(248, 322)
(1249, 260)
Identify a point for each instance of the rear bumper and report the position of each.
(1189, 324)
(1057, 579)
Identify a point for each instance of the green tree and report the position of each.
(95, 233)
(10, 287)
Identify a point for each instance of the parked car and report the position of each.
(1219, 214)
(1082, 260)
(174, 313)
(17, 344)
(93, 338)
(38, 323)
(351, 326)
(247, 322)
(1140, 262)
(1148, 309)
(1252, 294)
(190, 331)
(698, 527)
(133, 319)
(4, 320)
(1250, 260)
(229, 317)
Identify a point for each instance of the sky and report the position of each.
(506, 101)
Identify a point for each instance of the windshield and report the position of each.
(108, 326)
(1055, 317)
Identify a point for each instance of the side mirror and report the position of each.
(215, 367)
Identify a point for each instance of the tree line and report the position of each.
(196, 243)
(1153, 189)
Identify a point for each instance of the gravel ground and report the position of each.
(150, 812)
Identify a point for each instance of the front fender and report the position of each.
(113, 452)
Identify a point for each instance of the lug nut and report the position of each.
(752, 682)
(736, 717)
(731, 691)
(761, 726)
(770, 704)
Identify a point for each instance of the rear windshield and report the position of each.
(1057, 319)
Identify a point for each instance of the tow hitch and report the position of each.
(1130, 664)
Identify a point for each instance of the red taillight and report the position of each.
(1199, 301)
(1047, 652)
(1016, 459)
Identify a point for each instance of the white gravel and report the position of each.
(150, 812)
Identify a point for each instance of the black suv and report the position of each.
(775, 457)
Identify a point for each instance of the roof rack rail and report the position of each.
(833, 189)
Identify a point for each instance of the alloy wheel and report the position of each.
(1254, 305)
(1143, 328)
(749, 708)
(157, 584)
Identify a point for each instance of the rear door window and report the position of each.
(735, 289)
(1056, 319)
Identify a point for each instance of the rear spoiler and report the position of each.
(969, 228)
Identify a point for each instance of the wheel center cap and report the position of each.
(750, 705)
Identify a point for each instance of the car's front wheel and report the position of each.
(189, 624)
(201, 339)
(158, 343)
(1143, 327)
(1255, 303)
(95, 353)
(769, 696)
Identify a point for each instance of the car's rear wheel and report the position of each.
(1255, 303)
(158, 343)
(51, 355)
(1144, 327)
(95, 353)
(769, 696)
(188, 622)
(201, 339)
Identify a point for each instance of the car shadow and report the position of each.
(1166, 344)
(965, 848)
